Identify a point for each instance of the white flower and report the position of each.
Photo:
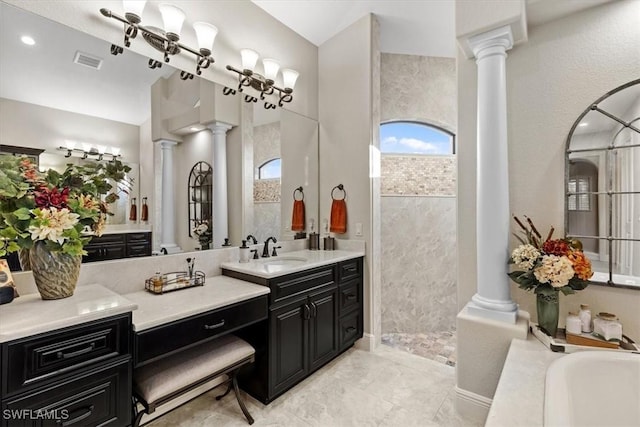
(52, 223)
(525, 256)
(556, 270)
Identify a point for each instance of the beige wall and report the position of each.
(240, 23)
(565, 65)
(347, 125)
(30, 125)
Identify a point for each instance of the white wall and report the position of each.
(565, 65)
(240, 23)
(349, 117)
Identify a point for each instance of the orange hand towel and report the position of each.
(297, 219)
(338, 216)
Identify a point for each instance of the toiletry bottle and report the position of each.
(585, 317)
(244, 252)
(573, 324)
(157, 282)
(607, 326)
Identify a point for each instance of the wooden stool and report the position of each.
(159, 382)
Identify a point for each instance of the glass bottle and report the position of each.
(585, 317)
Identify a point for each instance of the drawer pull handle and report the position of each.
(350, 329)
(61, 355)
(351, 297)
(220, 324)
(351, 269)
(88, 410)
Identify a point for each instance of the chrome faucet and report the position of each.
(265, 249)
(250, 237)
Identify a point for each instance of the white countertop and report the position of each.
(218, 291)
(313, 259)
(519, 398)
(30, 314)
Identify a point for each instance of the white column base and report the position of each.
(366, 343)
(472, 406)
(502, 311)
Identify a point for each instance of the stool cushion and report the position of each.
(159, 379)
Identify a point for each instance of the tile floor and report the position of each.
(438, 346)
(387, 387)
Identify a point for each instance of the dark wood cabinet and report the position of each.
(117, 246)
(79, 375)
(314, 315)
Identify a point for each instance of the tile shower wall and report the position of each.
(418, 207)
(418, 264)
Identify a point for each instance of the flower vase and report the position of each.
(548, 308)
(55, 273)
(23, 257)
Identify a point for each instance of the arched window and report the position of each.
(404, 137)
(270, 169)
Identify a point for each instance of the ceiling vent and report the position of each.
(88, 60)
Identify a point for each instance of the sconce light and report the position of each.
(167, 40)
(87, 150)
(265, 84)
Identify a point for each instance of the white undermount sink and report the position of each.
(284, 261)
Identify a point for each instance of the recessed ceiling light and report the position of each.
(583, 124)
(28, 40)
(193, 128)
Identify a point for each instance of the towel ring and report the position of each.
(299, 189)
(341, 188)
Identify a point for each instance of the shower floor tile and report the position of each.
(438, 346)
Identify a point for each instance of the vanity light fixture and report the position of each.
(167, 40)
(87, 150)
(263, 83)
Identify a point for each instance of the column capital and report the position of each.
(165, 143)
(493, 42)
(219, 128)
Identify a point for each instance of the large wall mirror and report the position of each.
(602, 185)
(67, 87)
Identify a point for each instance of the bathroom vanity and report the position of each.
(315, 313)
(66, 360)
(109, 246)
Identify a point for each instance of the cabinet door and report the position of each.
(323, 339)
(288, 344)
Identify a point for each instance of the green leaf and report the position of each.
(22, 214)
(566, 290)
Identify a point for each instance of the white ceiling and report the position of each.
(412, 27)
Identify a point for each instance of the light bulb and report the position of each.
(115, 151)
(102, 149)
(86, 147)
(28, 40)
(69, 144)
(172, 17)
(249, 59)
(289, 78)
(206, 34)
(271, 67)
(133, 8)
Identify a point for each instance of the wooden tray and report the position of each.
(560, 344)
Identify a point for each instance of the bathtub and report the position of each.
(593, 388)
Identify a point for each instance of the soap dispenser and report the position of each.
(244, 252)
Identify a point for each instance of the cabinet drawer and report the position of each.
(108, 239)
(139, 238)
(137, 250)
(350, 329)
(160, 341)
(350, 297)
(100, 397)
(35, 361)
(299, 283)
(349, 269)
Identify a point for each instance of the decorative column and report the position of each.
(220, 201)
(168, 232)
(493, 297)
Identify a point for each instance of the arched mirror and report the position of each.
(602, 185)
(201, 203)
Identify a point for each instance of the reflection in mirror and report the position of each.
(602, 174)
(111, 105)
